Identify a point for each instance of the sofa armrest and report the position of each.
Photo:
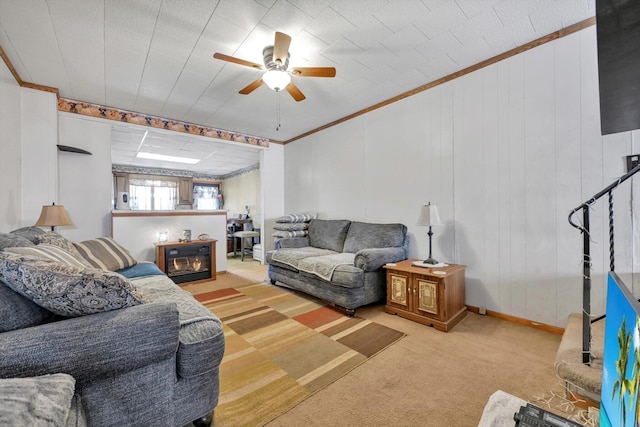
(374, 258)
(91, 346)
(292, 242)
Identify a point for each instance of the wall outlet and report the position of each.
(482, 311)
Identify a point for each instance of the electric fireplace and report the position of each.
(188, 263)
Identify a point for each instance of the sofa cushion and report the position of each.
(324, 266)
(344, 276)
(362, 235)
(29, 233)
(199, 327)
(328, 233)
(55, 239)
(36, 401)
(8, 240)
(289, 258)
(50, 252)
(17, 312)
(67, 290)
(105, 253)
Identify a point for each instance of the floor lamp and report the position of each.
(428, 218)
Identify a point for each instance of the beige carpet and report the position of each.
(428, 378)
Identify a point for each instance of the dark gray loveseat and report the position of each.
(155, 363)
(340, 261)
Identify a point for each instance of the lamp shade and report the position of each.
(429, 216)
(53, 215)
(276, 79)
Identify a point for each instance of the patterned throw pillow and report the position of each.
(29, 232)
(8, 240)
(50, 252)
(36, 401)
(105, 253)
(67, 290)
(53, 238)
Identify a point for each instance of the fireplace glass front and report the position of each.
(188, 263)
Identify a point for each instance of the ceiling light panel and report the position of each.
(165, 158)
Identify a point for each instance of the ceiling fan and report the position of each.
(276, 62)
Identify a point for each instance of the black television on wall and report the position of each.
(618, 28)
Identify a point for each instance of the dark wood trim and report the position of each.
(542, 40)
(53, 90)
(10, 66)
(519, 320)
(21, 82)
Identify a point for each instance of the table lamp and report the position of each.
(53, 215)
(429, 217)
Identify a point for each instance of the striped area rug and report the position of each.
(282, 347)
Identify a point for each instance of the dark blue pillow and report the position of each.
(141, 269)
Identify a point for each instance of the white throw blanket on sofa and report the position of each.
(324, 266)
(321, 262)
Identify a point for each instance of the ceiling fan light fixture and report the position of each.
(276, 79)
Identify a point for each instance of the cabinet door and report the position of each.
(185, 191)
(398, 292)
(428, 298)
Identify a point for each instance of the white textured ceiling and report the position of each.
(155, 56)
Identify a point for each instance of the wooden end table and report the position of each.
(432, 296)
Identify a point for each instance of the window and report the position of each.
(152, 193)
(207, 196)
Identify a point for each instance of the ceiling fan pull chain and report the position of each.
(278, 112)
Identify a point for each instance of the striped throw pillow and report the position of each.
(299, 217)
(293, 233)
(50, 252)
(105, 253)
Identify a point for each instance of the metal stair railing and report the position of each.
(586, 258)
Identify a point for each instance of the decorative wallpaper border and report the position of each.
(181, 173)
(95, 110)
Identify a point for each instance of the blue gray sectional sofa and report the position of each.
(339, 261)
(100, 348)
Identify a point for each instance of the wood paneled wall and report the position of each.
(505, 153)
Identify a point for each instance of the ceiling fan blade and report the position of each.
(253, 86)
(235, 60)
(281, 48)
(314, 71)
(295, 92)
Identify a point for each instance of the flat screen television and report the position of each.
(618, 28)
(621, 363)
